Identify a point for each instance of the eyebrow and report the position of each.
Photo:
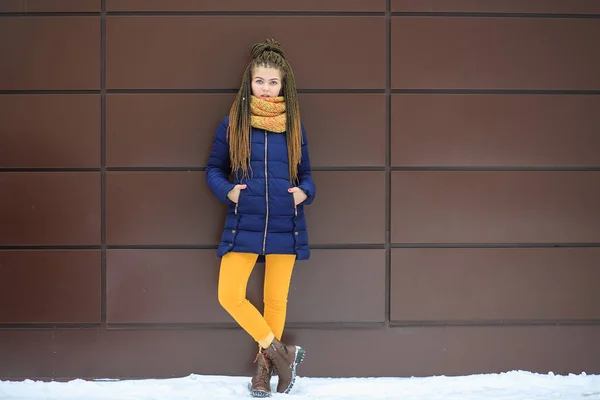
(272, 79)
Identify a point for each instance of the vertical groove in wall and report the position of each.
(103, 159)
(388, 177)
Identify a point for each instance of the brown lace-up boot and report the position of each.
(284, 359)
(261, 381)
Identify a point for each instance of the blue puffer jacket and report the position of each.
(265, 220)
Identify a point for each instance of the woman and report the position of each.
(263, 145)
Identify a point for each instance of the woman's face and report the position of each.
(266, 82)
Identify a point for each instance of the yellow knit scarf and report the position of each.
(268, 113)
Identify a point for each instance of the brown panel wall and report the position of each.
(176, 130)
(358, 276)
(443, 53)
(345, 130)
(243, 5)
(163, 286)
(431, 350)
(49, 208)
(475, 207)
(495, 284)
(424, 351)
(180, 286)
(340, 209)
(50, 286)
(492, 130)
(27, 353)
(498, 6)
(171, 60)
(161, 208)
(50, 6)
(44, 131)
(62, 53)
(495, 207)
(162, 130)
(169, 208)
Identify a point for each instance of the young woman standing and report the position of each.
(260, 167)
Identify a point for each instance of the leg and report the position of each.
(278, 274)
(284, 358)
(233, 279)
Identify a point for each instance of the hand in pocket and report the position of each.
(299, 195)
(234, 194)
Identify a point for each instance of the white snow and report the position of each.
(518, 385)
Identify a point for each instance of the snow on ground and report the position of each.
(518, 385)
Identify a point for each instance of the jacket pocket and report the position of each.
(294, 207)
(237, 205)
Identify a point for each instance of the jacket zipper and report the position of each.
(266, 197)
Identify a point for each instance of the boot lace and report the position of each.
(263, 373)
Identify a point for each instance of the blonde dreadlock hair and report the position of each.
(267, 54)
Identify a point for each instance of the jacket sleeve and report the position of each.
(306, 182)
(218, 167)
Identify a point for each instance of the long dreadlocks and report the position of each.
(267, 54)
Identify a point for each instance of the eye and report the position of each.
(274, 83)
(259, 81)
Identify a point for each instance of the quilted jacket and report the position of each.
(265, 220)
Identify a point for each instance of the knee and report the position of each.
(228, 298)
(278, 303)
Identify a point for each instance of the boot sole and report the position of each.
(258, 393)
(300, 352)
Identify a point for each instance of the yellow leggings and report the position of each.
(233, 279)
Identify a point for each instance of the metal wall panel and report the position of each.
(505, 285)
(182, 53)
(495, 207)
(61, 53)
(170, 208)
(162, 130)
(177, 130)
(37, 6)
(27, 353)
(347, 200)
(487, 130)
(498, 6)
(161, 208)
(40, 131)
(180, 286)
(414, 351)
(244, 5)
(345, 130)
(50, 208)
(50, 286)
(446, 53)
(164, 287)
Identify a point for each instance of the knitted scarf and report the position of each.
(268, 113)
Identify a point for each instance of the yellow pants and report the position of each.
(233, 279)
